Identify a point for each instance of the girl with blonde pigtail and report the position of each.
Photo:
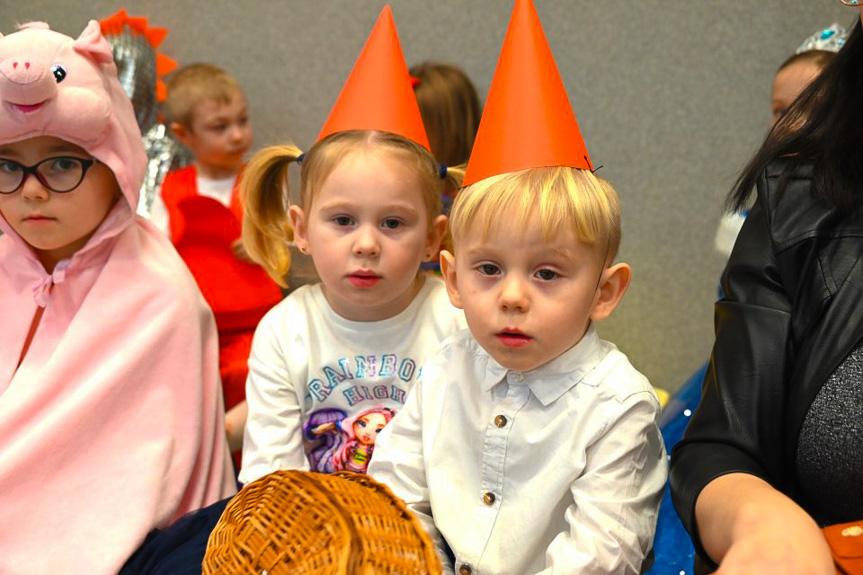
(368, 215)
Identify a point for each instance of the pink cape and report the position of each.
(113, 423)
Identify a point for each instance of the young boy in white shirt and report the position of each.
(531, 445)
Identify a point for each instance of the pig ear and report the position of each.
(92, 43)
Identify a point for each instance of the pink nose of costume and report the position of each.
(22, 71)
(25, 81)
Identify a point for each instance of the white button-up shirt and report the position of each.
(557, 470)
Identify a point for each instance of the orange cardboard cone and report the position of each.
(378, 94)
(527, 121)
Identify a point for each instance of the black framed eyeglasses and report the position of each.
(59, 174)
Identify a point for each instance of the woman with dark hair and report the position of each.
(775, 450)
(792, 77)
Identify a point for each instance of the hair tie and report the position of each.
(441, 172)
(300, 158)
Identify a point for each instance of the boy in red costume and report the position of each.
(199, 207)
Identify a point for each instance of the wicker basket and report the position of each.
(299, 522)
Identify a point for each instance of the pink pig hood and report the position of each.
(111, 418)
(54, 85)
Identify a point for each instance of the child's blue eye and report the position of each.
(391, 224)
(547, 275)
(361, 423)
(488, 269)
(342, 221)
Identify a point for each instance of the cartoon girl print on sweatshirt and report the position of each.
(344, 443)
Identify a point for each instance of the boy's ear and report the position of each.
(614, 283)
(182, 133)
(447, 268)
(298, 223)
(436, 232)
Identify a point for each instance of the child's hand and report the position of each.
(235, 424)
(239, 251)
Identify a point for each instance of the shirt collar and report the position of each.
(551, 380)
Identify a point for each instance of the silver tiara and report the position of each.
(830, 39)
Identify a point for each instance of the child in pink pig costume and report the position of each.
(110, 406)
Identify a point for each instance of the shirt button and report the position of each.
(500, 421)
(488, 498)
(515, 376)
(464, 570)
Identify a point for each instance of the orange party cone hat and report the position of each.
(378, 94)
(527, 121)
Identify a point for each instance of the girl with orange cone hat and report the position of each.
(531, 445)
(369, 215)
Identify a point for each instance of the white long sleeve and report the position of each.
(557, 470)
(403, 467)
(312, 370)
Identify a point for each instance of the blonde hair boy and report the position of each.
(192, 84)
(530, 444)
(532, 261)
(561, 197)
(208, 113)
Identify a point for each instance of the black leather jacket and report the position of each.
(793, 311)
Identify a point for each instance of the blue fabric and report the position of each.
(672, 546)
(179, 548)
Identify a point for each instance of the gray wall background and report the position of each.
(672, 97)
